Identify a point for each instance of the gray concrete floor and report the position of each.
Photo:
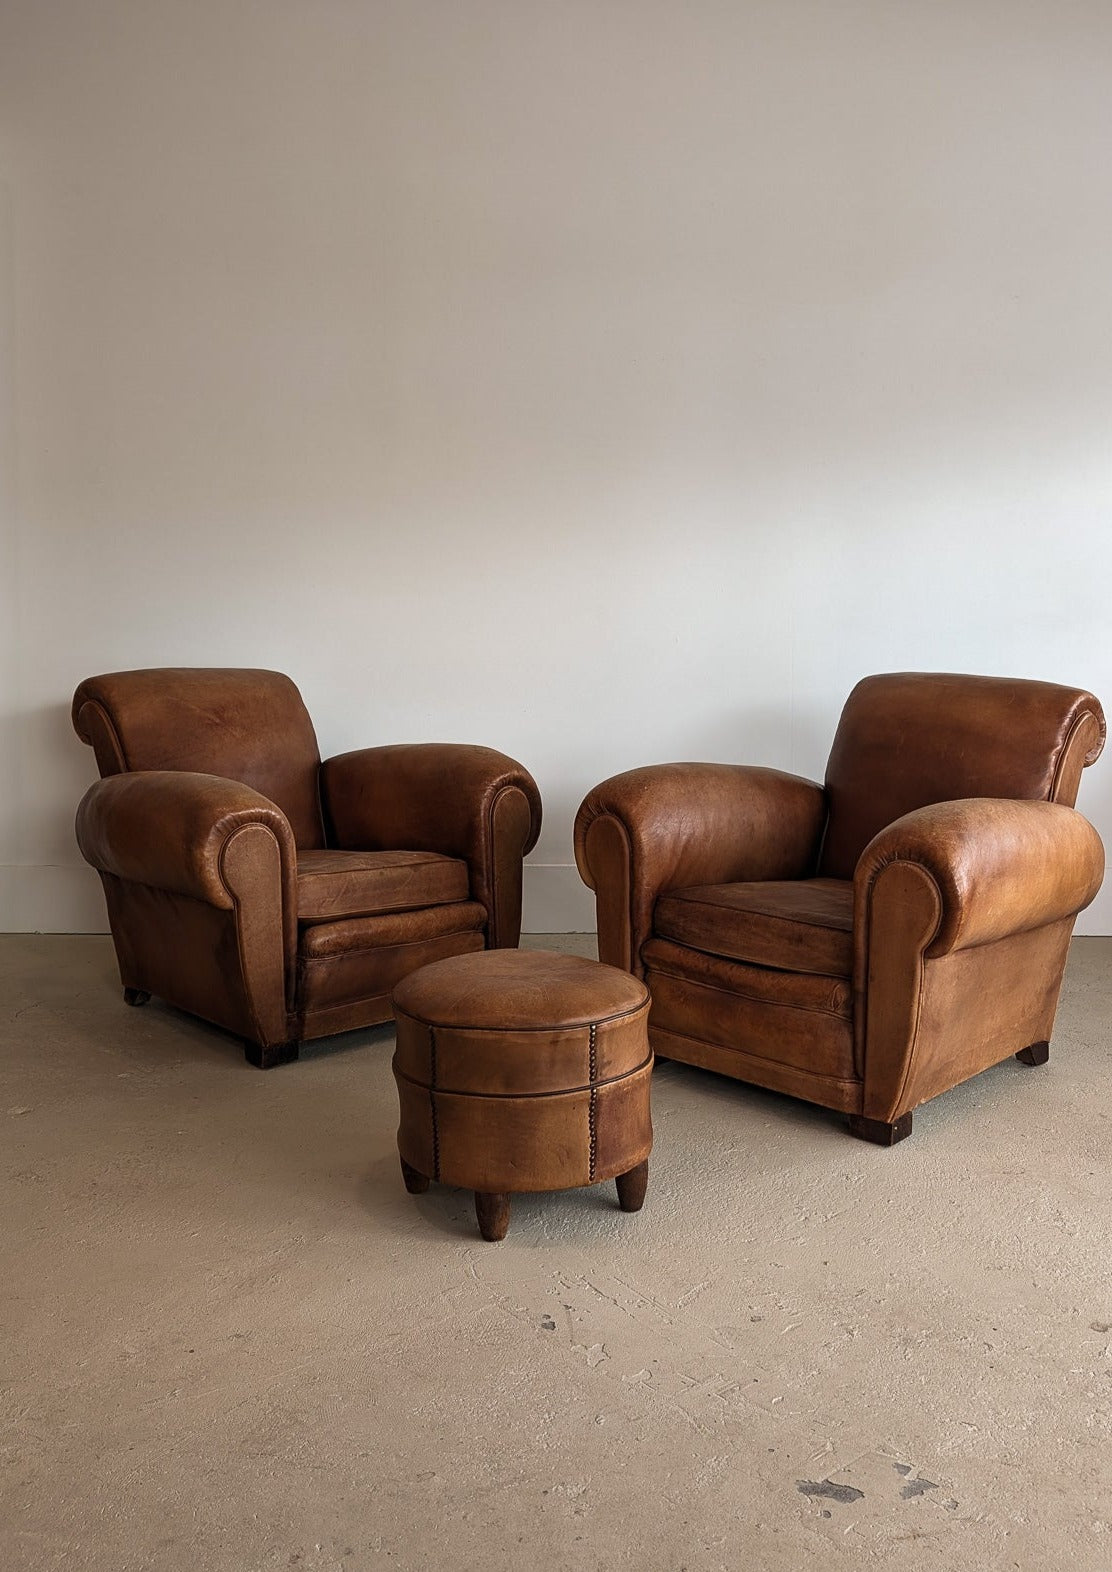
(232, 1341)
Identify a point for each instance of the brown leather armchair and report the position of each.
(872, 942)
(277, 896)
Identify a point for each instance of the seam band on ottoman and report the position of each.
(562, 1091)
(528, 1031)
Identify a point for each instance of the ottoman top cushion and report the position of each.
(511, 990)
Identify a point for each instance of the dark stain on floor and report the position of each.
(914, 1487)
(917, 1487)
(828, 1490)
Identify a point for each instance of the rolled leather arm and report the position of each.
(667, 826)
(172, 829)
(453, 798)
(999, 867)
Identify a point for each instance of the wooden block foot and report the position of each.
(136, 997)
(268, 1058)
(415, 1181)
(1037, 1053)
(879, 1131)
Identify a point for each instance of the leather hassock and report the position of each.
(522, 1071)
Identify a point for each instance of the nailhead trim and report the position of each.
(592, 1107)
(432, 1105)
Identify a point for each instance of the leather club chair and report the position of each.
(872, 942)
(279, 897)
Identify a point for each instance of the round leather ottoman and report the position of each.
(522, 1070)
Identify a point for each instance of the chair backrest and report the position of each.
(908, 739)
(250, 726)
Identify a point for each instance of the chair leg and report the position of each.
(136, 996)
(415, 1181)
(1037, 1053)
(632, 1187)
(268, 1058)
(879, 1131)
(493, 1212)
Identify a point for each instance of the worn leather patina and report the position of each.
(871, 941)
(274, 895)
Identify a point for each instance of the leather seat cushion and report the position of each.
(521, 991)
(357, 959)
(336, 884)
(795, 925)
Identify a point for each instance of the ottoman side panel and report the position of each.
(622, 1044)
(414, 1051)
(519, 1063)
(414, 1069)
(623, 1124)
(417, 1141)
(515, 1144)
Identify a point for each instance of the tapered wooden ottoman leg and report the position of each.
(136, 996)
(493, 1212)
(415, 1181)
(632, 1186)
(1038, 1053)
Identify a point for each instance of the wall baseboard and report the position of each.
(54, 899)
(48, 898)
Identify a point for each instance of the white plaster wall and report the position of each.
(608, 381)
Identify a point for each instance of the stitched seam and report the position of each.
(323, 820)
(116, 739)
(492, 852)
(559, 1091)
(291, 961)
(494, 916)
(920, 867)
(1063, 755)
(861, 996)
(432, 1105)
(634, 958)
(909, 1064)
(236, 910)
